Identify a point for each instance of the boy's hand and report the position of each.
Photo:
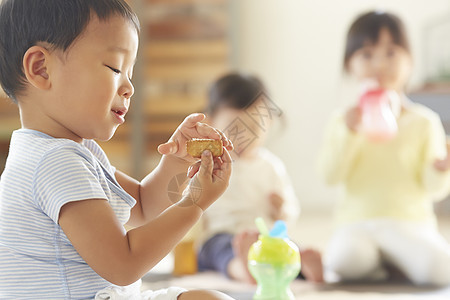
(209, 180)
(276, 203)
(353, 118)
(191, 128)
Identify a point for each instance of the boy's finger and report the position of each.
(226, 141)
(206, 131)
(168, 148)
(226, 164)
(226, 157)
(218, 163)
(192, 120)
(193, 169)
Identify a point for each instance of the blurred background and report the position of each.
(294, 46)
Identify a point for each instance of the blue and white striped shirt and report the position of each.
(42, 173)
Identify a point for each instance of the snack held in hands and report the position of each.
(195, 147)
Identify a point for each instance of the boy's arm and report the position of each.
(116, 255)
(123, 257)
(153, 188)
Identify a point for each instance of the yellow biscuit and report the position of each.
(195, 147)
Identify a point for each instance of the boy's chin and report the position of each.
(106, 137)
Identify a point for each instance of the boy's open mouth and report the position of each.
(118, 112)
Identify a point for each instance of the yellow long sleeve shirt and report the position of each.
(394, 179)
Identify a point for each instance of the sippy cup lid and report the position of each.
(274, 247)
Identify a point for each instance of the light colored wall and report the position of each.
(296, 47)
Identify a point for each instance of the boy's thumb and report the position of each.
(207, 165)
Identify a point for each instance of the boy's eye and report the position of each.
(114, 69)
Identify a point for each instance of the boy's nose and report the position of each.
(127, 90)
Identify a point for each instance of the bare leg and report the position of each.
(237, 268)
(312, 267)
(203, 295)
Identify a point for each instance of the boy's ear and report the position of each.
(35, 63)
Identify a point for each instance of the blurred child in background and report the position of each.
(259, 186)
(386, 213)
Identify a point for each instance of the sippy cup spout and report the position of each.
(279, 230)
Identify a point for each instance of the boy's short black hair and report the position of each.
(23, 23)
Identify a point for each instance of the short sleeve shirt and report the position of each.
(42, 173)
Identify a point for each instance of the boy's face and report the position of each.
(91, 81)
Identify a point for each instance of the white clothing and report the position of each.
(133, 292)
(415, 248)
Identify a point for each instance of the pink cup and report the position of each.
(378, 122)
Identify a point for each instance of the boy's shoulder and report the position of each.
(40, 145)
(38, 140)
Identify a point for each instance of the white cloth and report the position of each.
(133, 292)
(247, 196)
(357, 251)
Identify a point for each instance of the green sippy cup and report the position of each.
(274, 261)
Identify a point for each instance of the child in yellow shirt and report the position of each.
(386, 212)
